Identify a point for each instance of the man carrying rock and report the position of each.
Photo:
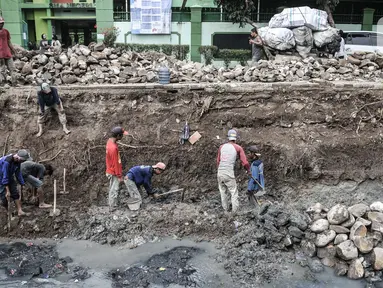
(257, 46)
(9, 168)
(256, 181)
(48, 97)
(6, 50)
(33, 174)
(142, 175)
(227, 156)
(114, 166)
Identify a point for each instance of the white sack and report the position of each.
(325, 37)
(304, 40)
(277, 38)
(300, 16)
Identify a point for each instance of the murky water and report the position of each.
(100, 260)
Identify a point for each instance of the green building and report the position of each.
(200, 22)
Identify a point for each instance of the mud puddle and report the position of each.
(166, 263)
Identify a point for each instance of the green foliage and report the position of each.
(208, 52)
(179, 51)
(330, 3)
(110, 36)
(238, 11)
(242, 56)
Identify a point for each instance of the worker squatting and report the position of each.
(21, 168)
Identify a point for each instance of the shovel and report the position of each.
(259, 193)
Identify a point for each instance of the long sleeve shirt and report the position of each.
(32, 168)
(48, 99)
(113, 160)
(256, 173)
(8, 169)
(142, 175)
(227, 156)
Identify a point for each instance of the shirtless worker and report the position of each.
(114, 166)
(33, 174)
(257, 47)
(227, 156)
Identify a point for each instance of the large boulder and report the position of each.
(348, 223)
(319, 226)
(99, 47)
(324, 238)
(358, 210)
(339, 229)
(377, 258)
(377, 206)
(364, 244)
(356, 270)
(308, 248)
(299, 220)
(42, 59)
(375, 216)
(340, 238)
(85, 50)
(347, 250)
(338, 214)
(27, 69)
(358, 229)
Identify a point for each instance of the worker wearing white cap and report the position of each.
(142, 175)
(227, 156)
(6, 50)
(48, 97)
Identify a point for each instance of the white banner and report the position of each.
(151, 16)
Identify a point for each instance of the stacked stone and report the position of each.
(348, 239)
(99, 64)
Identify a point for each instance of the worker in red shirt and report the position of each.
(114, 166)
(227, 156)
(6, 50)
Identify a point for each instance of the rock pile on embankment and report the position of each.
(348, 239)
(99, 64)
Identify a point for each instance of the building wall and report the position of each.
(181, 34)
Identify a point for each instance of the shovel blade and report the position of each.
(260, 193)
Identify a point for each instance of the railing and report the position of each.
(176, 16)
(348, 18)
(208, 16)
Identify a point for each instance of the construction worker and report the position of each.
(114, 166)
(227, 156)
(10, 167)
(6, 50)
(48, 96)
(256, 46)
(142, 175)
(256, 181)
(33, 174)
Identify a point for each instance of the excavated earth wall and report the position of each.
(320, 142)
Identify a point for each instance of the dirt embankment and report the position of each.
(305, 134)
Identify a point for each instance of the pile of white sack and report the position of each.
(302, 29)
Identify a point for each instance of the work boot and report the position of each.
(66, 130)
(40, 130)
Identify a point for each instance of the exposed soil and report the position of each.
(318, 145)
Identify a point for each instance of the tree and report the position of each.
(328, 6)
(238, 11)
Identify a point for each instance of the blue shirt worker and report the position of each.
(48, 97)
(142, 175)
(256, 181)
(9, 169)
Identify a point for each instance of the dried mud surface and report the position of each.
(318, 145)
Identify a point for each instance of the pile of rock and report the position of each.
(99, 64)
(348, 239)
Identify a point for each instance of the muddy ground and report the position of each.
(318, 144)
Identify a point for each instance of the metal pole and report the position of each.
(54, 196)
(258, 8)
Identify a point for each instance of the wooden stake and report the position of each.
(64, 181)
(54, 196)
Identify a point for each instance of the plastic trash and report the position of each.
(162, 269)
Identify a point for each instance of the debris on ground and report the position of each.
(80, 64)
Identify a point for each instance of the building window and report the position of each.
(231, 41)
